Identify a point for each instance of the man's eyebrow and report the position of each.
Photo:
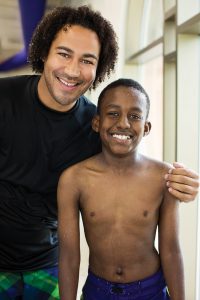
(85, 55)
(90, 55)
(64, 48)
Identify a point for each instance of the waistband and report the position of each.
(151, 283)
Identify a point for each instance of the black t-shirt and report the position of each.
(36, 145)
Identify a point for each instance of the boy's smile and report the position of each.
(122, 137)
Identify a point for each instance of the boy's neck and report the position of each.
(121, 163)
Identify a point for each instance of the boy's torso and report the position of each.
(120, 214)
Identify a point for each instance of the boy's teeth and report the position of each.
(121, 137)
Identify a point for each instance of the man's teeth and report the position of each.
(122, 137)
(67, 83)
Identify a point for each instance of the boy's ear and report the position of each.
(147, 128)
(95, 123)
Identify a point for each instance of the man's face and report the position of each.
(122, 120)
(70, 68)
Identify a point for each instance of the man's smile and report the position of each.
(68, 83)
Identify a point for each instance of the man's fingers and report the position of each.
(178, 165)
(180, 169)
(182, 183)
(181, 196)
(183, 188)
(184, 180)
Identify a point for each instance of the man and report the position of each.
(45, 127)
(122, 197)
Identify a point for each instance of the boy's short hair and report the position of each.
(127, 83)
(62, 17)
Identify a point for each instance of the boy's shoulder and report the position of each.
(152, 164)
(81, 169)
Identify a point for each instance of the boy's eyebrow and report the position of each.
(86, 55)
(113, 105)
(135, 108)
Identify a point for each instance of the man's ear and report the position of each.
(95, 123)
(147, 128)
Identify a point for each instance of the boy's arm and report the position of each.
(169, 248)
(183, 183)
(69, 239)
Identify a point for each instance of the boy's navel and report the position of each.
(119, 271)
(145, 213)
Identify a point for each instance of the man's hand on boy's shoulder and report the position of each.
(182, 183)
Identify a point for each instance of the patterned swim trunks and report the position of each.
(40, 285)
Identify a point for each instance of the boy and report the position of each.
(122, 197)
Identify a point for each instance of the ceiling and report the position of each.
(11, 40)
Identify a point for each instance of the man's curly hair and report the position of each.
(59, 18)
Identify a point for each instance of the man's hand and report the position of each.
(182, 183)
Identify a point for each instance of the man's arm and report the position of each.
(182, 183)
(69, 236)
(169, 248)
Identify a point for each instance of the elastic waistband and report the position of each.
(155, 280)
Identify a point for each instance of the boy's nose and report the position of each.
(123, 122)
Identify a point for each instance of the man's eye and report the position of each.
(87, 62)
(63, 54)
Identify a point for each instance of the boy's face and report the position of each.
(70, 68)
(122, 120)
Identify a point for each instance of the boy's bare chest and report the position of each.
(121, 199)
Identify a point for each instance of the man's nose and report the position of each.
(72, 68)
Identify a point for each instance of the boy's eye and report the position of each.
(113, 113)
(135, 117)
